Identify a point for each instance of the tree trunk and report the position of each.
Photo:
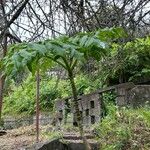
(77, 111)
(2, 77)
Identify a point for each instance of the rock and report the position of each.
(2, 132)
(58, 144)
(50, 145)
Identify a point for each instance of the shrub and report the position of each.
(124, 129)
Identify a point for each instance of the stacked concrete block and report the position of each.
(122, 93)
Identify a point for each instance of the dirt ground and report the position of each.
(18, 139)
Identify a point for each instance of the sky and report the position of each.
(25, 22)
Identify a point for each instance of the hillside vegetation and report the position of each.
(124, 63)
(125, 129)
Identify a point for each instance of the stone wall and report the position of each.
(11, 122)
(127, 94)
(132, 95)
(139, 96)
(122, 91)
(90, 105)
(90, 108)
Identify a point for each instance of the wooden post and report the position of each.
(37, 104)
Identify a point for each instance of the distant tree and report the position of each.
(5, 35)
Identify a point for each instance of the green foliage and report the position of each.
(48, 95)
(49, 132)
(22, 56)
(124, 129)
(139, 58)
(109, 97)
(64, 50)
(129, 62)
(22, 98)
(85, 84)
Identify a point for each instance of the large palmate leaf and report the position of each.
(27, 56)
(66, 51)
(90, 46)
(54, 48)
(40, 49)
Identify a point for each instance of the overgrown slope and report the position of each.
(125, 129)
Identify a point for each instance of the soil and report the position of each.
(17, 139)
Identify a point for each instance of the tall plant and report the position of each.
(67, 52)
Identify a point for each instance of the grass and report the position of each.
(124, 129)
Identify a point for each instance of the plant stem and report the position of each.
(77, 111)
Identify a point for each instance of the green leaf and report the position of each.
(89, 42)
(39, 48)
(33, 65)
(145, 70)
(83, 40)
(56, 57)
(55, 48)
